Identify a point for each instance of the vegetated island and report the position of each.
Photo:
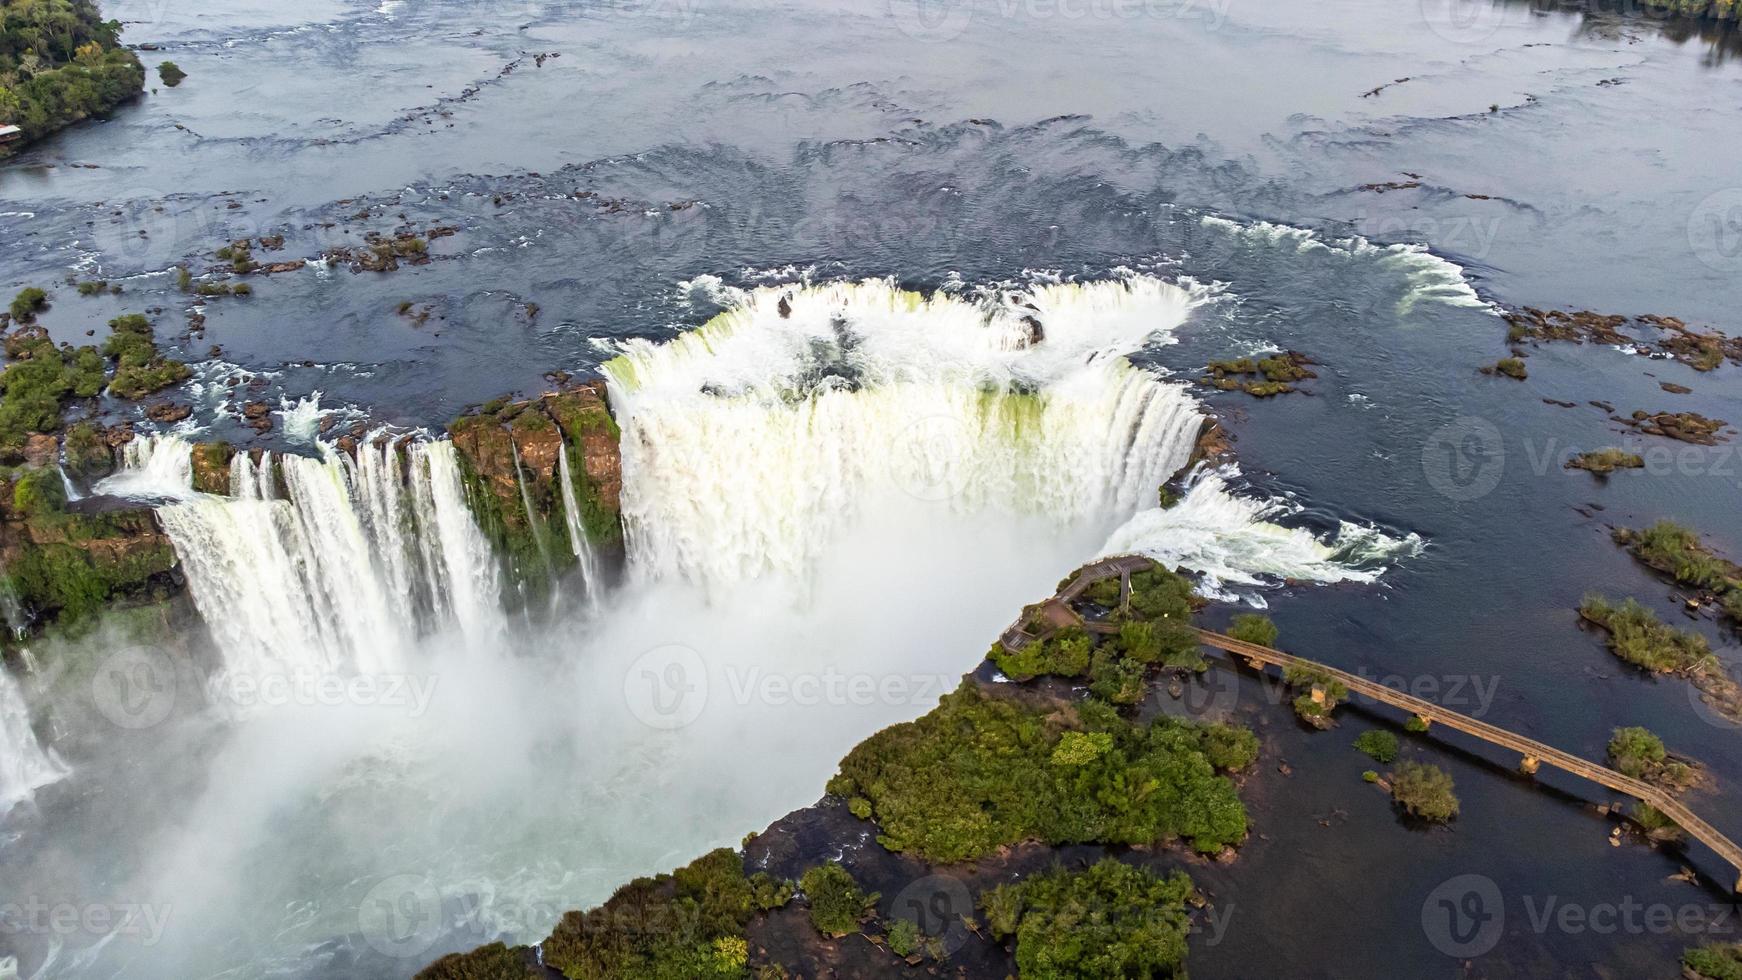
(60, 62)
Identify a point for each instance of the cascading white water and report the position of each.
(335, 574)
(586, 557)
(153, 467)
(25, 766)
(751, 443)
(1231, 541)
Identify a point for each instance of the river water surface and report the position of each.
(1359, 180)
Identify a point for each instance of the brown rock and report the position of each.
(41, 449)
(168, 412)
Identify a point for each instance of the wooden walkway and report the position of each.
(1531, 751)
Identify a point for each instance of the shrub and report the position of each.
(665, 926)
(1230, 747)
(139, 368)
(1635, 750)
(1254, 628)
(171, 74)
(1606, 461)
(493, 962)
(1110, 921)
(29, 301)
(1424, 791)
(1378, 745)
(1065, 654)
(1654, 821)
(979, 772)
(1512, 367)
(903, 937)
(1715, 961)
(1637, 636)
(92, 287)
(768, 892)
(1370, 776)
(1157, 593)
(837, 903)
(1415, 724)
(1678, 552)
(1116, 679)
(1640, 754)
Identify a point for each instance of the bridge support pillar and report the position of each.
(1423, 722)
(1529, 765)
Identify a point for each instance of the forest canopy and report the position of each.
(60, 62)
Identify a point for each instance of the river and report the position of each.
(1354, 179)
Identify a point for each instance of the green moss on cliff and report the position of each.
(71, 564)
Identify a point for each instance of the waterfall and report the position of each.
(343, 570)
(751, 443)
(153, 467)
(25, 766)
(586, 559)
(1233, 540)
(533, 527)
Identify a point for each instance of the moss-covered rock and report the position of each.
(59, 563)
(211, 465)
(510, 458)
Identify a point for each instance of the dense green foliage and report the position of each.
(1678, 552)
(1639, 753)
(1111, 921)
(685, 925)
(836, 901)
(1255, 629)
(61, 62)
(1424, 791)
(171, 73)
(139, 368)
(1637, 636)
(38, 382)
(26, 304)
(1065, 654)
(1378, 745)
(979, 772)
(1715, 961)
(492, 962)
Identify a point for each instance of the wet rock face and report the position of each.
(510, 454)
(65, 564)
(211, 466)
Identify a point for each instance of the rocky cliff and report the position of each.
(511, 457)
